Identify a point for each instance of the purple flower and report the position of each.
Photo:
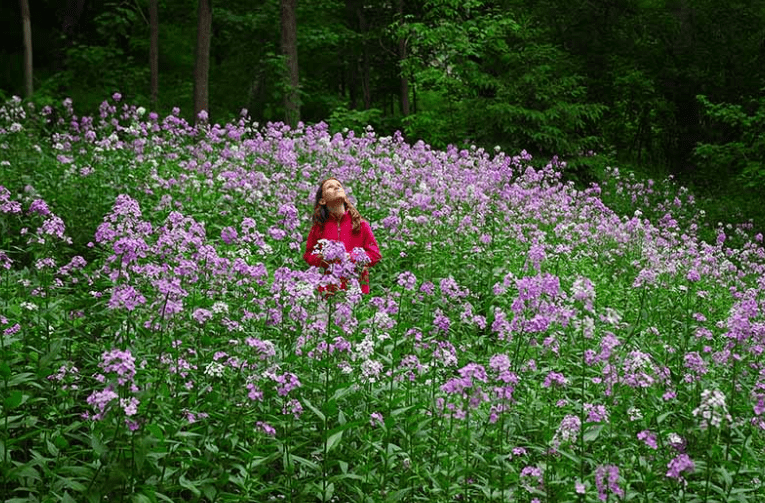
(441, 322)
(554, 378)
(129, 405)
(228, 235)
(265, 427)
(293, 407)
(125, 296)
(201, 315)
(286, 382)
(649, 438)
(100, 400)
(568, 431)
(254, 393)
(596, 413)
(679, 464)
(376, 419)
(120, 362)
(532, 478)
(607, 479)
(40, 207)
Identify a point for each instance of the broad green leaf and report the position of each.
(156, 431)
(185, 483)
(592, 432)
(333, 440)
(13, 400)
(140, 498)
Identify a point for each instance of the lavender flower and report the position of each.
(679, 464)
(568, 431)
(532, 478)
(376, 419)
(607, 480)
(649, 438)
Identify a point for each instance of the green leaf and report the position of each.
(333, 440)
(316, 411)
(185, 483)
(329, 492)
(20, 379)
(52, 449)
(140, 498)
(13, 400)
(98, 446)
(306, 462)
(592, 432)
(156, 431)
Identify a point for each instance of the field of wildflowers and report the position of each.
(161, 338)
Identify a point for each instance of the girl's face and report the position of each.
(331, 192)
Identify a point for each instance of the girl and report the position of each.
(335, 219)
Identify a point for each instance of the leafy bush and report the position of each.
(739, 149)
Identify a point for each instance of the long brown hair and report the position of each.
(321, 213)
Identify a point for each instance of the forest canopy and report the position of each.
(669, 86)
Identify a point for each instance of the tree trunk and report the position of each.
(289, 50)
(350, 57)
(154, 51)
(402, 59)
(27, 28)
(366, 88)
(202, 64)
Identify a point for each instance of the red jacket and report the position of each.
(343, 231)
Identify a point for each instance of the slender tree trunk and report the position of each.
(414, 94)
(365, 72)
(402, 59)
(154, 50)
(289, 50)
(202, 64)
(27, 28)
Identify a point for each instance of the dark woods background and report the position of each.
(659, 86)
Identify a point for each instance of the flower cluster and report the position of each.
(712, 409)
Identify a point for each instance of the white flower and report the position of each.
(370, 370)
(634, 414)
(266, 249)
(220, 307)
(28, 306)
(712, 408)
(365, 348)
(214, 369)
(674, 439)
(140, 111)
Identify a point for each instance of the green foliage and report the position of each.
(491, 79)
(343, 119)
(490, 242)
(739, 146)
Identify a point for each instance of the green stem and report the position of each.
(740, 462)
